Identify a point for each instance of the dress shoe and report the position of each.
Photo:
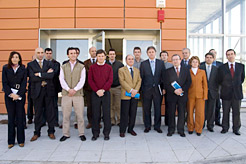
(122, 135)
(63, 138)
(10, 146)
(223, 131)
(146, 130)
(106, 138)
(60, 126)
(182, 134)
(52, 136)
(169, 134)
(210, 129)
(21, 144)
(88, 126)
(198, 134)
(75, 126)
(94, 138)
(29, 121)
(237, 133)
(34, 138)
(83, 138)
(190, 132)
(132, 133)
(158, 130)
(218, 124)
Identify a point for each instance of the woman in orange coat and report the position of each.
(197, 94)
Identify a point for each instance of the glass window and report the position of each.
(60, 46)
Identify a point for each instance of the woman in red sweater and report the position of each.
(100, 78)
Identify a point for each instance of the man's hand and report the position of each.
(133, 93)
(15, 97)
(50, 70)
(71, 92)
(163, 91)
(100, 92)
(36, 74)
(178, 91)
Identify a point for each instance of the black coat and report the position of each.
(56, 80)
(10, 79)
(148, 79)
(33, 67)
(184, 80)
(213, 83)
(231, 86)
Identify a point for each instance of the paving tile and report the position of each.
(218, 152)
(134, 156)
(88, 156)
(164, 156)
(63, 155)
(113, 156)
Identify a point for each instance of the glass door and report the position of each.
(98, 41)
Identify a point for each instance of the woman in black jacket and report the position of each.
(14, 79)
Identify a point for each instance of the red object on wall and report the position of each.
(161, 15)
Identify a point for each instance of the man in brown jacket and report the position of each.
(130, 81)
(87, 88)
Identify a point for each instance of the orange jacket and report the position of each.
(199, 86)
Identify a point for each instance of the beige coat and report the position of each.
(126, 81)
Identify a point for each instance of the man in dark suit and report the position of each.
(151, 73)
(49, 57)
(186, 56)
(87, 88)
(231, 76)
(41, 74)
(213, 89)
(218, 103)
(177, 98)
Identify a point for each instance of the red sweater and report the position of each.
(100, 77)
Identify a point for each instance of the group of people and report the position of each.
(112, 90)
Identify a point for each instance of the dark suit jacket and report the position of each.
(182, 64)
(231, 86)
(10, 79)
(184, 81)
(87, 64)
(148, 79)
(213, 84)
(56, 80)
(36, 81)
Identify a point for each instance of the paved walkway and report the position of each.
(144, 148)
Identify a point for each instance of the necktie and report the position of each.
(93, 61)
(177, 68)
(208, 72)
(232, 71)
(131, 72)
(185, 62)
(153, 67)
(40, 64)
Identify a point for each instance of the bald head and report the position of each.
(92, 52)
(39, 52)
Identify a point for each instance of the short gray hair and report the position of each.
(186, 49)
(130, 55)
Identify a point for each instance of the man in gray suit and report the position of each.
(213, 90)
